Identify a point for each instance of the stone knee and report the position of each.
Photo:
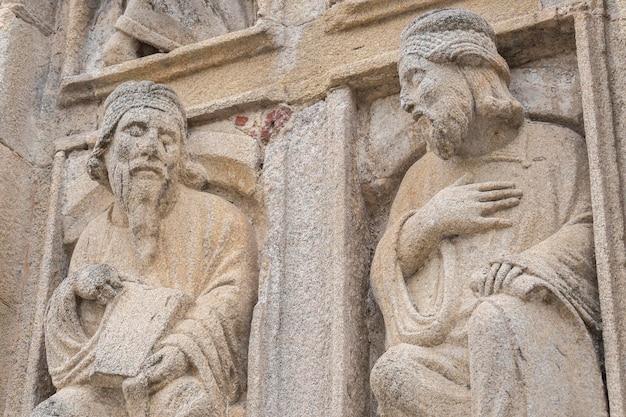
(50, 408)
(494, 352)
(414, 381)
(78, 401)
(386, 377)
(185, 397)
(488, 322)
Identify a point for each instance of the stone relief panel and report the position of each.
(485, 271)
(154, 315)
(115, 31)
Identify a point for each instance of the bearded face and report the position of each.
(142, 165)
(439, 99)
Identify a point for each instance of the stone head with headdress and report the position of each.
(136, 95)
(455, 50)
(454, 36)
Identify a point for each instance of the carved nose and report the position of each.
(407, 105)
(148, 144)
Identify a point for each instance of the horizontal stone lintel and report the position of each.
(377, 72)
(256, 40)
(352, 13)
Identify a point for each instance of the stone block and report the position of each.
(15, 228)
(549, 90)
(22, 46)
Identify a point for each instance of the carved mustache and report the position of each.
(157, 167)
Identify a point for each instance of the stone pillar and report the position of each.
(309, 349)
(601, 39)
(24, 168)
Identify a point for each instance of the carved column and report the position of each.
(600, 37)
(25, 160)
(309, 349)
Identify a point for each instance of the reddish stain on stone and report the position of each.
(274, 120)
(241, 120)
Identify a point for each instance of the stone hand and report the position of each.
(96, 282)
(495, 278)
(506, 278)
(164, 366)
(464, 208)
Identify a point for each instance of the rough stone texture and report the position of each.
(154, 315)
(15, 173)
(242, 91)
(23, 71)
(550, 91)
(83, 200)
(488, 252)
(313, 281)
(23, 68)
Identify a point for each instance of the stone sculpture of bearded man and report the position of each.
(154, 316)
(485, 275)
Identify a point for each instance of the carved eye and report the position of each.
(418, 77)
(166, 137)
(135, 129)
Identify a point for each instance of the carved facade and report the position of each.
(312, 208)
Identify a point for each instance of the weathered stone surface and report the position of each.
(154, 315)
(231, 158)
(297, 120)
(549, 90)
(485, 275)
(23, 68)
(84, 199)
(313, 285)
(15, 174)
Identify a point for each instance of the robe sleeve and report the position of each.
(403, 322)
(215, 330)
(70, 351)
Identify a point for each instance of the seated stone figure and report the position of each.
(168, 24)
(485, 275)
(167, 242)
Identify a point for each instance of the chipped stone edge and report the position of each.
(352, 13)
(23, 13)
(226, 107)
(256, 40)
(381, 69)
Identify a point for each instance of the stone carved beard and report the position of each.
(447, 123)
(145, 197)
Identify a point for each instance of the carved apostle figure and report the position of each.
(485, 275)
(154, 316)
(168, 24)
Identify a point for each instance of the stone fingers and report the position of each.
(485, 281)
(491, 284)
(506, 280)
(491, 207)
(502, 194)
(494, 185)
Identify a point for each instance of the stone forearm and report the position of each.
(418, 238)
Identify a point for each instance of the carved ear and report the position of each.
(509, 110)
(96, 168)
(193, 175)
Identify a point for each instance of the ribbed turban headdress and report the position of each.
(129, 95)
(454, 35)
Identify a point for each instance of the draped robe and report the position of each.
(426, 315)
(207, 250)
